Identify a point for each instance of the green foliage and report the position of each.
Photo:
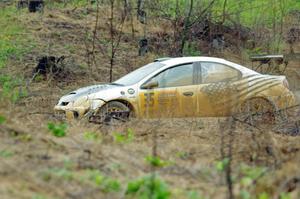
(58, 172)
(221, 165)
(194, 195)
(182, 155)
(2, 119)
(191, 49)
(148, 188)
(12, 37)
(248, 13)
(92, 136)
(105, 183)
(156, 161)
(263, 196)
(13, 44)
(58, 130)
(69, 3)
(250, 174)
(24, 137)
(10, 88)
(244, 194)
(285, 196)
(124, 138)
(6, 154)
(38, 196)
(78, 3)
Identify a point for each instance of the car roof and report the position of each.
(183, 60)
(179, 60)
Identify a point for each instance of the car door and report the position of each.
(219, 91)
(174, 95)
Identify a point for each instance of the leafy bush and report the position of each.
(13, 44)
(156, 161)
(12, 39)
(191, 49)
(124, 138)
(10, 88)
(6, 153)
(221, 165)
(148, 188)
(62, 173)
(105, 183)
(92, 136)
(2, 119)
(194, 195)
(58, 130)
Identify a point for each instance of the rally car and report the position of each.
(181, 87)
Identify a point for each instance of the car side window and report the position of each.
(177, 76)
(212, 72)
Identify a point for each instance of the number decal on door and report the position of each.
(149, 99)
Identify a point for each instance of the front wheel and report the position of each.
(111, 113)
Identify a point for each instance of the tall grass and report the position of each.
(14, 43)
(11, 35)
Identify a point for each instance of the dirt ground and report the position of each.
(36, 165)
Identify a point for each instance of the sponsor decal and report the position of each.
(131, 91)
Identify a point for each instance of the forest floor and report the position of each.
(92, 161)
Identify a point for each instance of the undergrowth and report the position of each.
(14, 43)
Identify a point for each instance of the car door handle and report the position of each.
(188, 94)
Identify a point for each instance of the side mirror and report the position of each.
(149, 85)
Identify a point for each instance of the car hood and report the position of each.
(85, 91)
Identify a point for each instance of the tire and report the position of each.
(111, 113)
(258, 112)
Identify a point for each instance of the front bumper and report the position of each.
(77, 111)
(70, 113)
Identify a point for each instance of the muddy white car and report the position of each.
(181, 87)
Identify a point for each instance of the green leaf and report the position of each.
(6, 154)
(91, 136)
(134, 186)
(263, 196)
(2, 119)
(58, 130)
(285, 196)
(124, 138)
(246, 181)
(245, 194)
(148, 186)
(156, 161)
(221, 165)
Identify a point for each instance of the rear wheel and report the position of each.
(111, 113)
(258, 111)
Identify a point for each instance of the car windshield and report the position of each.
(139, 74)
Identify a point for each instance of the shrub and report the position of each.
(10, 88)
(156, 161)
(2, 119)
(148, 188)
(105, 183)
(58, 130)
(6, 153)
(124, 138)
(92, 136)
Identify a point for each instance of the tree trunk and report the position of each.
(186, 28)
